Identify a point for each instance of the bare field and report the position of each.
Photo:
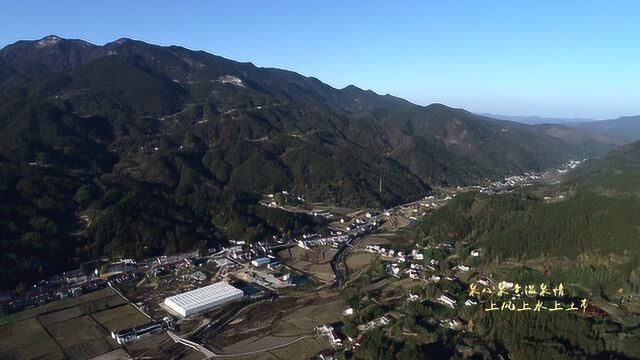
(360, 260)
(27, 339)
(302, 349)
(323, 311)
(103, 304)
(61, 304)
(257, 343)
(118, 354)
(315, 261)
(120, 318)
(46, 349)
(161, 346)
(77, 331)
(85, 323)
(258, 356)
(255, 320)
(286, 322)
(91, 349)
(19, 334)
(316, 256)
(72, 328)
(358, 263)
(60, 316)
(384, 239)
(294, 325)
(302, 320)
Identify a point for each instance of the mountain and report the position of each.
(597, 142)
(626, 128)
(136, 149)
(589, 217)
(582, 232)
(536, 120)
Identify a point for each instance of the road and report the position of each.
(206, 352)
(210, 354)
(129, 302)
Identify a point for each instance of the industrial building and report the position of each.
(134, 334)
(202, 299)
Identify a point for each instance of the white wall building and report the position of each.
(202, 299)
(260, 261)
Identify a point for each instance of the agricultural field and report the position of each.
(161, 346)
(283, 327)
(73, 328)
(315, 261)
(395, 239)
(358, 263)
(304, 348)
(275, 347)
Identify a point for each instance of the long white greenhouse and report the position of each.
(202, 299)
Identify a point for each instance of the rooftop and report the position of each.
(204, 295)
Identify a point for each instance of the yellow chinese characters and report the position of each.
(529, 297)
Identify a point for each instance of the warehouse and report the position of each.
(202, 299)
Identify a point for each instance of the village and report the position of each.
(199, 300)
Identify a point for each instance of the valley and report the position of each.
(165, 203)
(310, 282)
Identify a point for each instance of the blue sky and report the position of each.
(547, 58)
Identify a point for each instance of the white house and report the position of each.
(463, 267)
(447, 300)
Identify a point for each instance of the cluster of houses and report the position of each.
(197, 276)
(117, 279)
(246, 252)
(291, 199)
(361, 227)
(397, 255)
(378, 322)
(313, 240)
(572, 164)
(91, 276)
(45, 292)
(414, 271)
(529, 177)
(403, 264)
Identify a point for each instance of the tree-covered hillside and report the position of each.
(591, 219)
(583, 232)
(136, 149)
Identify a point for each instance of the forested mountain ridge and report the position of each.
(582, 232)
(138, 149)
(590, 217)
(625, 128)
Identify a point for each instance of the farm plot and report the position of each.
(25, 340)
(120, 318)
(72, 328)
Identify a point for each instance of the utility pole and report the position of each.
(380, 186)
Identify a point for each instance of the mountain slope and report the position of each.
(626, 128)
(536, 120)
(138, 149)
(591, 215)
(582, 232)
